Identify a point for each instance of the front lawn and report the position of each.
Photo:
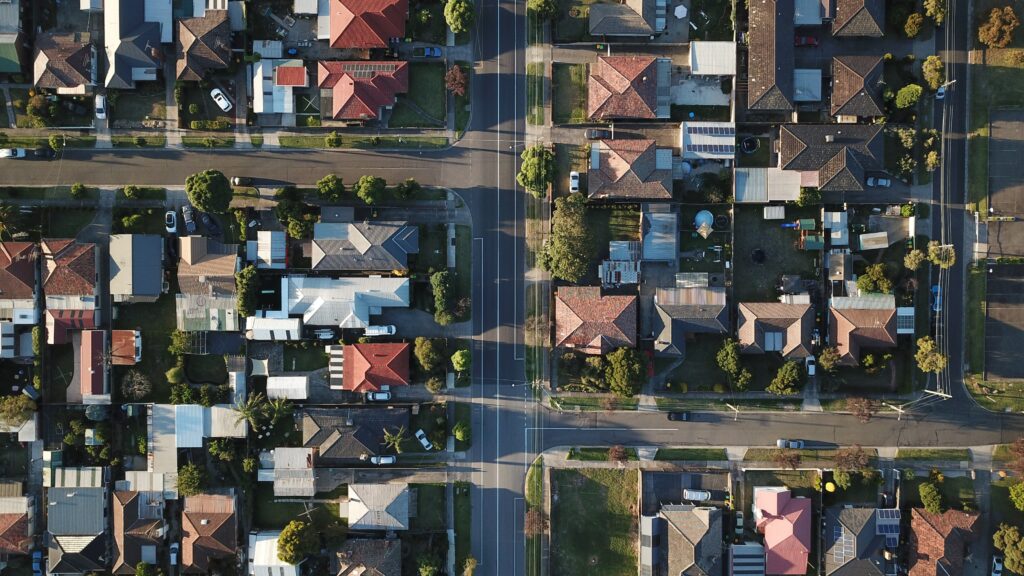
(955, 491)
(594, 522)
(140, 141)
(691, 454)
(1001, 506)
(148, 101)
(67, 223)
(197, 105)
(977, 280)
(433, 420)
(568, 93)
(425, 105)
(299, 358)
(208, 141)
(534, 93)
(959, 454)
(593, 403)
(151, 221)
(699, 371)
(430, 508)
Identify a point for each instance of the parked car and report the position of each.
(44, 153)
(696, 495)
(598, 134)
(13, 153)
(323, 334)
(739, 523)
(879, 182)
(810, 364)
(424, 441)
(171, 222)
(211, 225)
(241, 181)
(174, 554)
(378, 396)
(794, 444)
(997, 566)
(388, 330)
(805, 41)
(426, 52)
(940, 93)
(383, 460)
(190, 221)
(679, 416)
(574, 181)
(37, 563)
(936, 299)
(101, 107)
(222, 101)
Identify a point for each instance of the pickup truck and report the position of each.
(426, 52)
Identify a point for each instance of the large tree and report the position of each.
(934, 71)
(459, 15)
(941, 255)
(852, 459)
(786, 380)
(462, 360)
(728, 358)
(913, 259)
(537, 170)
(429, 353)
(874, 279)
(1008, 541)
(936, 10)
(997, 32)
(929, 357)
(455, 80)
(252, 410)
(16, 409)
(209, 191)
(828, 359)
(570, 246)
(370, 189)
(908, 95)
(135, 385)
(624, 370)
(330, 188)
(191, 480)
(296, 541)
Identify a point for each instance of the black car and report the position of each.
(211, 225)
(679, 416)
(46, 153)
(598, 134)
(190, 222)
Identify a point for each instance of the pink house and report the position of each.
(786, 524)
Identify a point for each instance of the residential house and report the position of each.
(629, 87)
(858, 322)
(70, 270)
(360, 90)
(341, 302)
(682, 311)
(340, 243)
(344, 436)
(16, 511)
(775, 327)
(139, 529)
(937, 543)
(203, 44)
(831, 157)
(686, 539)
(290, 469)
(65, 62)
(76, 530)
(859, 18)
(856, 541)
(592, 323)
(373, 366)
(263, 560)
(209, 529)
(93, 378)
(632, 18)
(856, 87)
(269, 251)
(770, 80)
(18, 283)
(786, 524)
(11, 37)
(378, 506)
(136, 267)
(274, 82)
(367, 557)
(629, 170)
(206, 282)
(364, 24)
(132, 33)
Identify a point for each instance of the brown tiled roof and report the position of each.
(359, 89)
(770, 55)
(856, 86)
(839, 153)
(628, 169)
(62, 61)
(206, 267)
(122, 347)
(623, 87)
(368, 367)
(17, 270)
(60, 324)
(367, 23)
(70, 267)
(853, 329)
(208, 530)
(132, 532)
(203, 44)
(793, 321)
(14, 536)
(859, 18)
(591, 323)
(939, 539)
(368, 557)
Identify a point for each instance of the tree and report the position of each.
(469, 566)
(742, 381)
(278, 409)
(943, 256)
(181, 343)
(908, 96)
(407, 188)
(728, 358)
(913, 26)
(56, 142)
(16, 409)
(928, 357)
(545, 9)
(786, 458)
(786, 379)
(143, 569)
(842, 479)
(8, 217)
(828, 359)
(175, 375)
(249, 464)
(252, 410)
(851, 459)
(932, 160)
(429, 353)
(370, 189)
(209, 191)
(296, 541)
(535, 522)
(934, 71)
(931, 498)
(874, 279)
(441, 285)
(131, 191)
(135, 385)
(1017, 495)
(462, 431)
(862, 408)
(1008, 541)
(330, 188)
(914, 259)
(435, 384)
(997, 32)
(537, 170)
(808, 197)
(907, 136)
(570, 246)
(78, 190)
(222, 449)
(462, 360)
(395, 439)
(459, 14)
(455, 80)
(617, 453)
(624, 371)
(428, 565)
(936, 10)
(247, 285)
(191, 480)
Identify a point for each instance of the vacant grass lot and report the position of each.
(146, 102)
(594, 522)
(67, 223)
(568, 93)
(157, 322)
(753, 281)
(424, 106)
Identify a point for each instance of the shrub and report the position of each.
(131, 191)
(176, 375)
(435, 384)
(908, 96)
(193, 108)
(78, 191)
(931, 498)
(913, 26)
(333, 140)
(313, 121)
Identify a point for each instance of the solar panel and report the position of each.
(889, 513)
(892, 542)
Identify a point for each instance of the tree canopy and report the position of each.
(455, 80)
(459, 15)
(929, 358)
(16, 409)
(191, 480)
(908, 96)
(429, 353)
(934, 71)
(943, 256)
(931, 498)
(370, 189)
(537, 170)
(874, 279)
(913, 25)
(546, 9)
(936, 10)
(246, 285)
(570, 246)
(209, 191)
(997, 31)
(624, 370)
(1008, 541)
(296, 542)
(786, 379)
(330, 187)
(462, 360)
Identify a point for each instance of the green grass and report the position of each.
(271, 514)
(977, 281)
(463, 413)
(433, 419)
(434, 30)
(427, 96)
(594, 522)
(782, 404)
(298, 359)
(1001, 506)
(534, 495)
(208, 141)
(716, 25)
(568, 93)
(690, 454)
(999, 396)
(463, 523)
(430, 508)
(464, 269)
(955, 491)
(16, 141)
(933, 454)
(157, 322)
(1002, 453)
(593, 403)
(206, 369)
(152, 221)
(146, 101)
(534, 93)
(572, 24)
(754, 282)
(699, 371)
(597, 454)
(862, 490)
(766, 454)
(67, 223)
(760, 158)
(996, 81)
(364, 142)
(60, 365)
(256, 140)
(144, 193)
(433, 253)
(148, 141)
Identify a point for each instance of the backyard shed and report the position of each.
(761, 185)
(874, 241)
(774, 212)
(712, 58)
(290, 387)
(188, 426)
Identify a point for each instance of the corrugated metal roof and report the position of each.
(163, 455)
(291, 387)
(660, 236)
(10, 17)
(761, 185)
(188, 426)
(221, 421)
(864, 302)
(874, 241)
(75, 511)
(712, 58)
(263, 556)
(84, 477)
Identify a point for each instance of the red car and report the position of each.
(809, 41)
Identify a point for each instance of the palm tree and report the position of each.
(7, 218)
(394, 440)
(252, 410)
(279, 409)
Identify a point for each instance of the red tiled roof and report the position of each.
(367, 23)
(360, 88)
(591, 323)
(370, 366)
(17, 270)
(628, 169)
(70, 267)
(939, 539)
(60, 323)
(14, 536)
(90, 369)
(290, 76)
(623, 87)
(786, 524)
(122, 347)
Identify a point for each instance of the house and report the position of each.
(342, 244)
(132, 33)
(139, 529)
(659, 234)
(18, 283)
(786, 524)
(76, 530)
(775, 327)
(708, 141)
(937, 543)
(11, 37)
(746, 559)
(263, 560)
(342, 302)
(203, 44)
(290, 469)
(365, 24)
(342, 436)
(592, 323)
(65, 63)
(636, 18)
(681, 311)
(206, 282)
(16, 511)
(208, 531)
(274, 81)
(856, 87)
(136, 267)
(687, 540)
(831, 157)
(93, 379)
(867, 321)
(856, 540)
(859, 18)
(770, 83)
(290, 387)
(373, 366)
(269, 251)
(633, 87)
(629, 170)
(70, 270)
(367, 557)
(378, 506)
(360, 90)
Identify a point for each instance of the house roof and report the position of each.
(70, 267)
(378, 506)
(206, 267)
(367, 23)
(17, 270)
(359, 89)
(623, 87)
(76, 511)
(938, 542)
(786, 524)
(856, 86)
(136, 266)
(203, 44)
(368, 367)
(208, 530)
(263, 557)
(839, 153)
(682, 311)
(130, 41)
(594, 323)
(366, 557)
(136, 527)
(863, 322)
(345, 435)
(60, 324)
(630, 18)
(62, 61)
(859, 18)
(90, 370)
(770, 56)
(14, 534)
(694, 546)
(291, 73)
(367, 245)
(344, 302)
(852, 545)
(76, 554)
(775, 327)
(122, 347)
(630, 169)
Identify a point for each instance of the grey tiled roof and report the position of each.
(859, 524)
(139, 41)
(694, 543)
(363, 245)
(345, 434)
(135, 264)
(841, 153)
(679, 311)
(632, 18)
(856, 88)
(770, 55)
(859, 18)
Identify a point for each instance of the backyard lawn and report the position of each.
(765, 252)
(594, 522)
(61, 367)
(301, 359)
(424, 106)
(157, 322)
(270, 514)
(568, 93)
(206, 369)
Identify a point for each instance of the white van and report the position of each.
(696, 495)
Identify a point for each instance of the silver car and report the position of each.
(424, 441)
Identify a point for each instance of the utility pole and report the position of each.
(899, 410)
(942, 395)
(735, 410)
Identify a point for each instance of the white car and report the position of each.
(997, 566)
(101, 107)
(378, 396)
(574, 181)
(383, 460)
(222, 101)
(174, 554)
(879, 182)
(810, 364)
(12, 153)
(171, 222)
(388, 330)
(424, 441)
(794, 444)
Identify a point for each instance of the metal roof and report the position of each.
(807, 85)
(712, 58)
(291, 387)
(660, 232)
(188, 426)
(75, 511)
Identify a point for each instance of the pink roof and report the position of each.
(90, 368)
(367, 23)
(786, 524)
